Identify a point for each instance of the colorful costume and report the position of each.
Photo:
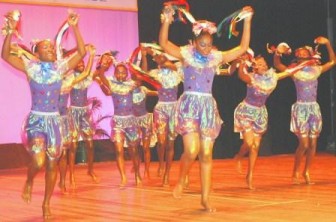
(143, 118)
(123, 123)
(81, 117)
(306, 119)
(196, 109)
(165, 109)
(43, 123)
(251, 113)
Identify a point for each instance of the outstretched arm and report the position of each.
(332, 58)
(166, 20)
(88, 67)
(234, 53)
(73, 22)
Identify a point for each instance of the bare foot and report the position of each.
(138, 181)
(207, 206)
(249, 181)
(295, 179)
(93, 176)
(61, 185)
(46, 211)
(27, 192)
(165, 181)
(123, 183)
(306, 176)
(160, 171)
(146, 175)
(72, 182)
(178, 190)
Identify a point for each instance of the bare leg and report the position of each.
(134, 149)
(72, 158)
(119, 147)
(50, 181)
(169, 160)
(310, 156)
(90, 159)
(62, 164)
(300, 151)
(244, 149)
(254, 149)
(147, 155)
(191, 144)
(205, 159)
(37, 162)
(162, 143)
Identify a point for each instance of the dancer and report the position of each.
(250, 116)
(168, 75)
(67, 126)
(123, 122)
(80, 115)
(41, 130)
(306, 120)
(197, 116)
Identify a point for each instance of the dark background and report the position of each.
(296, 22)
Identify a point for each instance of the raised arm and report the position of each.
(87, 71)
(332, 59)
(6, 54)
(144, 62)
(73, 19)
(242, 73)
(166, 20)
(234, 53)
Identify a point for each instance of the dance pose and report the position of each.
(197, 116)
(250, 116)
(41, 130)
(80, 116)
(123, 122)
(168, 75)
(306, 120)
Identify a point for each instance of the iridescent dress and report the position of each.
(42, 125)
(165, 108)
(251, 113)
(81, 117)
(306, 119)
(196, 109)
(123, 123)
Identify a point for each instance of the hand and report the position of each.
(12, 20)
(321, 40)
(283, 48)
(91, 49)
(249, 12)
(167, 15)
(72, 18)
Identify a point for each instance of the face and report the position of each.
(80, 66)
(260, 65)
(105, 62)
(120, 73)
(160, 59)
(203, 44)
(45, 51)
(302, 53)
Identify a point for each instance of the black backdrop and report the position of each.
(295, 22)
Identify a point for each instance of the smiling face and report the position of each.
(45, 51)
(203, 43)
(105, 62)
(302, 54)
(80, 66)
(120, 73)
(160, 59)
(260, 65)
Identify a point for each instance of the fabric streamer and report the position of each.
(62, 31)
(179, 6)
(228, 24)
(6, 29)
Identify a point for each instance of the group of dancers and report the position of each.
(52, 128)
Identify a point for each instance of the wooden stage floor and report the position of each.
(275, 198)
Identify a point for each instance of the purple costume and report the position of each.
(251, 113)
(42, 126)
(196, 109)
(165, 109)
(306, 119)
(143, 118)
(81, 117)
(123, 123)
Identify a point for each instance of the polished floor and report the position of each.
(275, 197)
